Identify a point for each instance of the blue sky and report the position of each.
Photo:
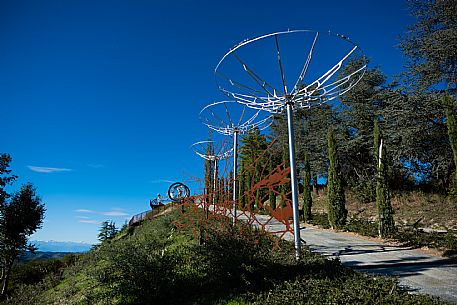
(100, 99)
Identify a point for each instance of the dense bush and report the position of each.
(29, 279)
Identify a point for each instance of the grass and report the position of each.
(158, 264)
(414, 210)
(433, 210)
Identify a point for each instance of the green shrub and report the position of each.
(158, 264)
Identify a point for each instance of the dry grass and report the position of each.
(432, 210)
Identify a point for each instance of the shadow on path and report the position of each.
(417, 271)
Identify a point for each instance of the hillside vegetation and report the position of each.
(156, 263)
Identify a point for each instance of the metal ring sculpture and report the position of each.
(232, 119)
(259, 87)
(178, 191)
(229, 117)
(219, 153)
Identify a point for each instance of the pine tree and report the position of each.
(107, 231)
(310, 127)
(337, 212)
(253, 146)
(307, 199)
(430, 44)
(385, 211)
(6, 177)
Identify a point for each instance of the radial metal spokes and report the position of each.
(281, 69)
(306, 65)
(321, 78)
(320, 92)
(228, 117)
(272, 105)
(269, 89)
(212, 150)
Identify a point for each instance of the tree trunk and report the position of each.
(316, 191)
(6, 277)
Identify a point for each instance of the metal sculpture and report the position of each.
(331, 66)
(214, 152)
(233, 119)
(178, 191)
(263, 193)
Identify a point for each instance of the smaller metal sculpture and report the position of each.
(214, 152)
(178, 191)
(231, 118)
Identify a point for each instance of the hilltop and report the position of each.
(157, 263)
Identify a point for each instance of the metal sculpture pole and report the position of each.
(232, 119)
(293, 181)
(335, 73)
(235, 168)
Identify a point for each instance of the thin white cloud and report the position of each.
(161, 181)
(114, 213)
(85, 211)
(48, 170)
(82, 217)
(91, 221)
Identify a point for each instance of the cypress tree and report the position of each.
(385, 211)
(337, 212)
(209, 173)
(307, 199)
(451, 121)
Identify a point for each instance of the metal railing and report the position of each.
(139, 218)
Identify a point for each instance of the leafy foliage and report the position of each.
(431, 42)
(157, 264)
(430, 46)
(20, 217)
(5, 176)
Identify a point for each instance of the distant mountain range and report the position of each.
(27, 257)
(61, 246)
